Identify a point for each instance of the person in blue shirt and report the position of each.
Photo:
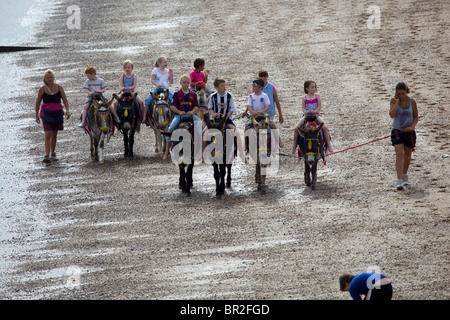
(375, 286)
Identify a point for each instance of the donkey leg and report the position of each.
(228, 176)
(263, 184)
(314, 176)
(92, 149)
(189, 172)
(125, 143)
(131, 143)
(101, 147)
(217, 178)
(258, 176)
(307, 174)
(157, 140)
(182, 179)
(223, 172)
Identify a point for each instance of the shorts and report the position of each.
(407, 138)
(382, 293)
(52, 127)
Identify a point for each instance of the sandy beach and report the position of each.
(123, 230)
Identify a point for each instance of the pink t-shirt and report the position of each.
(196, 77)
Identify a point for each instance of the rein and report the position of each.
(360, 145)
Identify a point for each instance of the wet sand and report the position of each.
(123, 230)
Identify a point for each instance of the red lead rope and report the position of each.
(412, 140)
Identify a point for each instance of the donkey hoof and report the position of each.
(102, 161)
(313, 187)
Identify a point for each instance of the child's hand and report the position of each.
(206, 72)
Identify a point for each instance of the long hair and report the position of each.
(402, 86)
(46, 73)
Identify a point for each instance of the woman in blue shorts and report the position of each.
(403, 110)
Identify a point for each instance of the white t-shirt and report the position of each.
(258, 103)
(161, 79)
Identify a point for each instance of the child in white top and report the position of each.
(259, 103)
(162, 77)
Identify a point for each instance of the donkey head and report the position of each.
(220, 125)
(98, 104)
(160, 95)
(260, 122)
(203, 97)
(125, 98)
(311, 129)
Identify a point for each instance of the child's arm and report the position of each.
(170, 76)
(206, 76)
(277, 103)
(121, 83)
(319, 104)
(304, 106)
(193, 111)
(263, 111)
(89, 92)
(250, 109)
(177, 111)
(154, 81)
(245, 112)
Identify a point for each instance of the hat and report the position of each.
(259, 83)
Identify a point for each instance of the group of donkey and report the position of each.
(101, 127)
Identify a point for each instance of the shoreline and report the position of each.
(124, 231)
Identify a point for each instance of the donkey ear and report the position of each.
(95, 102)
(115, 96)
(207, 120)
(134, 96)
(301, 132)
(167, 94)
(222, 121)
(319, 127)
(108, 104)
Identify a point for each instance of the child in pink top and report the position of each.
(199, 76)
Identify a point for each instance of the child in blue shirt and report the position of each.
(375, 286)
